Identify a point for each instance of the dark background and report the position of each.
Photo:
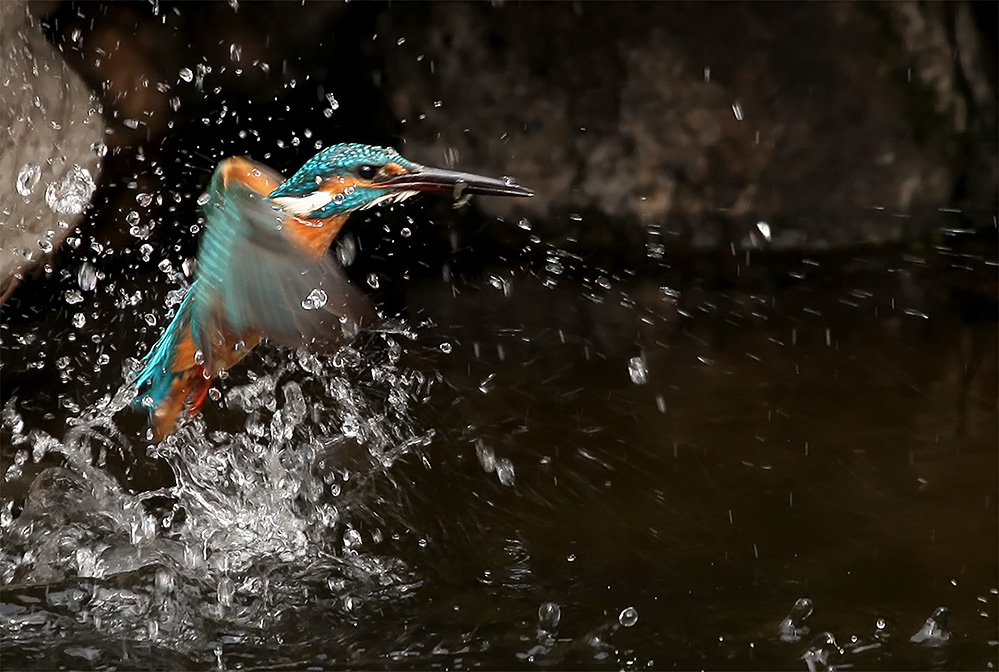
(817, 417)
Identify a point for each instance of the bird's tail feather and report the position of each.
(171, 376)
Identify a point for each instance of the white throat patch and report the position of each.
(303, 206)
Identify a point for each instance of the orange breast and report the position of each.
(315, 235)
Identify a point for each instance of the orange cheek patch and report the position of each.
(394, 169)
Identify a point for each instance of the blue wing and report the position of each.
(252, 276)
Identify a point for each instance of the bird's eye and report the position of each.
(367, 171)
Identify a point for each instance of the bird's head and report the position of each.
(348, 177)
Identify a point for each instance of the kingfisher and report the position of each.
(263, 270)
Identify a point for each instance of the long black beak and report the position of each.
(424, 178)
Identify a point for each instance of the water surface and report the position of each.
(535, 465)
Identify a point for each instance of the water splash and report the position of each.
(71, 193)
(793, 627)
(257, 520)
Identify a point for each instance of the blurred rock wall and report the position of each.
(835, 123)
(645, 128)
(50, 152)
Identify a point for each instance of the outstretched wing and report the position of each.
(254, 278)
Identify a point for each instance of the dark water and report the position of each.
(544, 466)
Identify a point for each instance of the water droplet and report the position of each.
(405, 232)
(637, 370)
(79, 320)
(317, 298)
(549, 614)
(737, 110)
(351, 538)
(504, 471)
(764, 230)
(73, 297)
(628, 617)
(308, 361)
(214, 394)
(346, 250)
(225, 592)
(144, 199)
(373, 281)
(934, 632)
(486, 456)
(86, 562)
(204, 198)
(186, 75)
(28, 178)
(446, 348)
(235, 52)
(164, 581)
(334, 104)
(793, 627)
(72, 193)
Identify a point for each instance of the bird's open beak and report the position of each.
(424, 178)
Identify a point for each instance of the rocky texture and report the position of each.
(156, 66)
(50, 147)
(686, 124)
(646, 129)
